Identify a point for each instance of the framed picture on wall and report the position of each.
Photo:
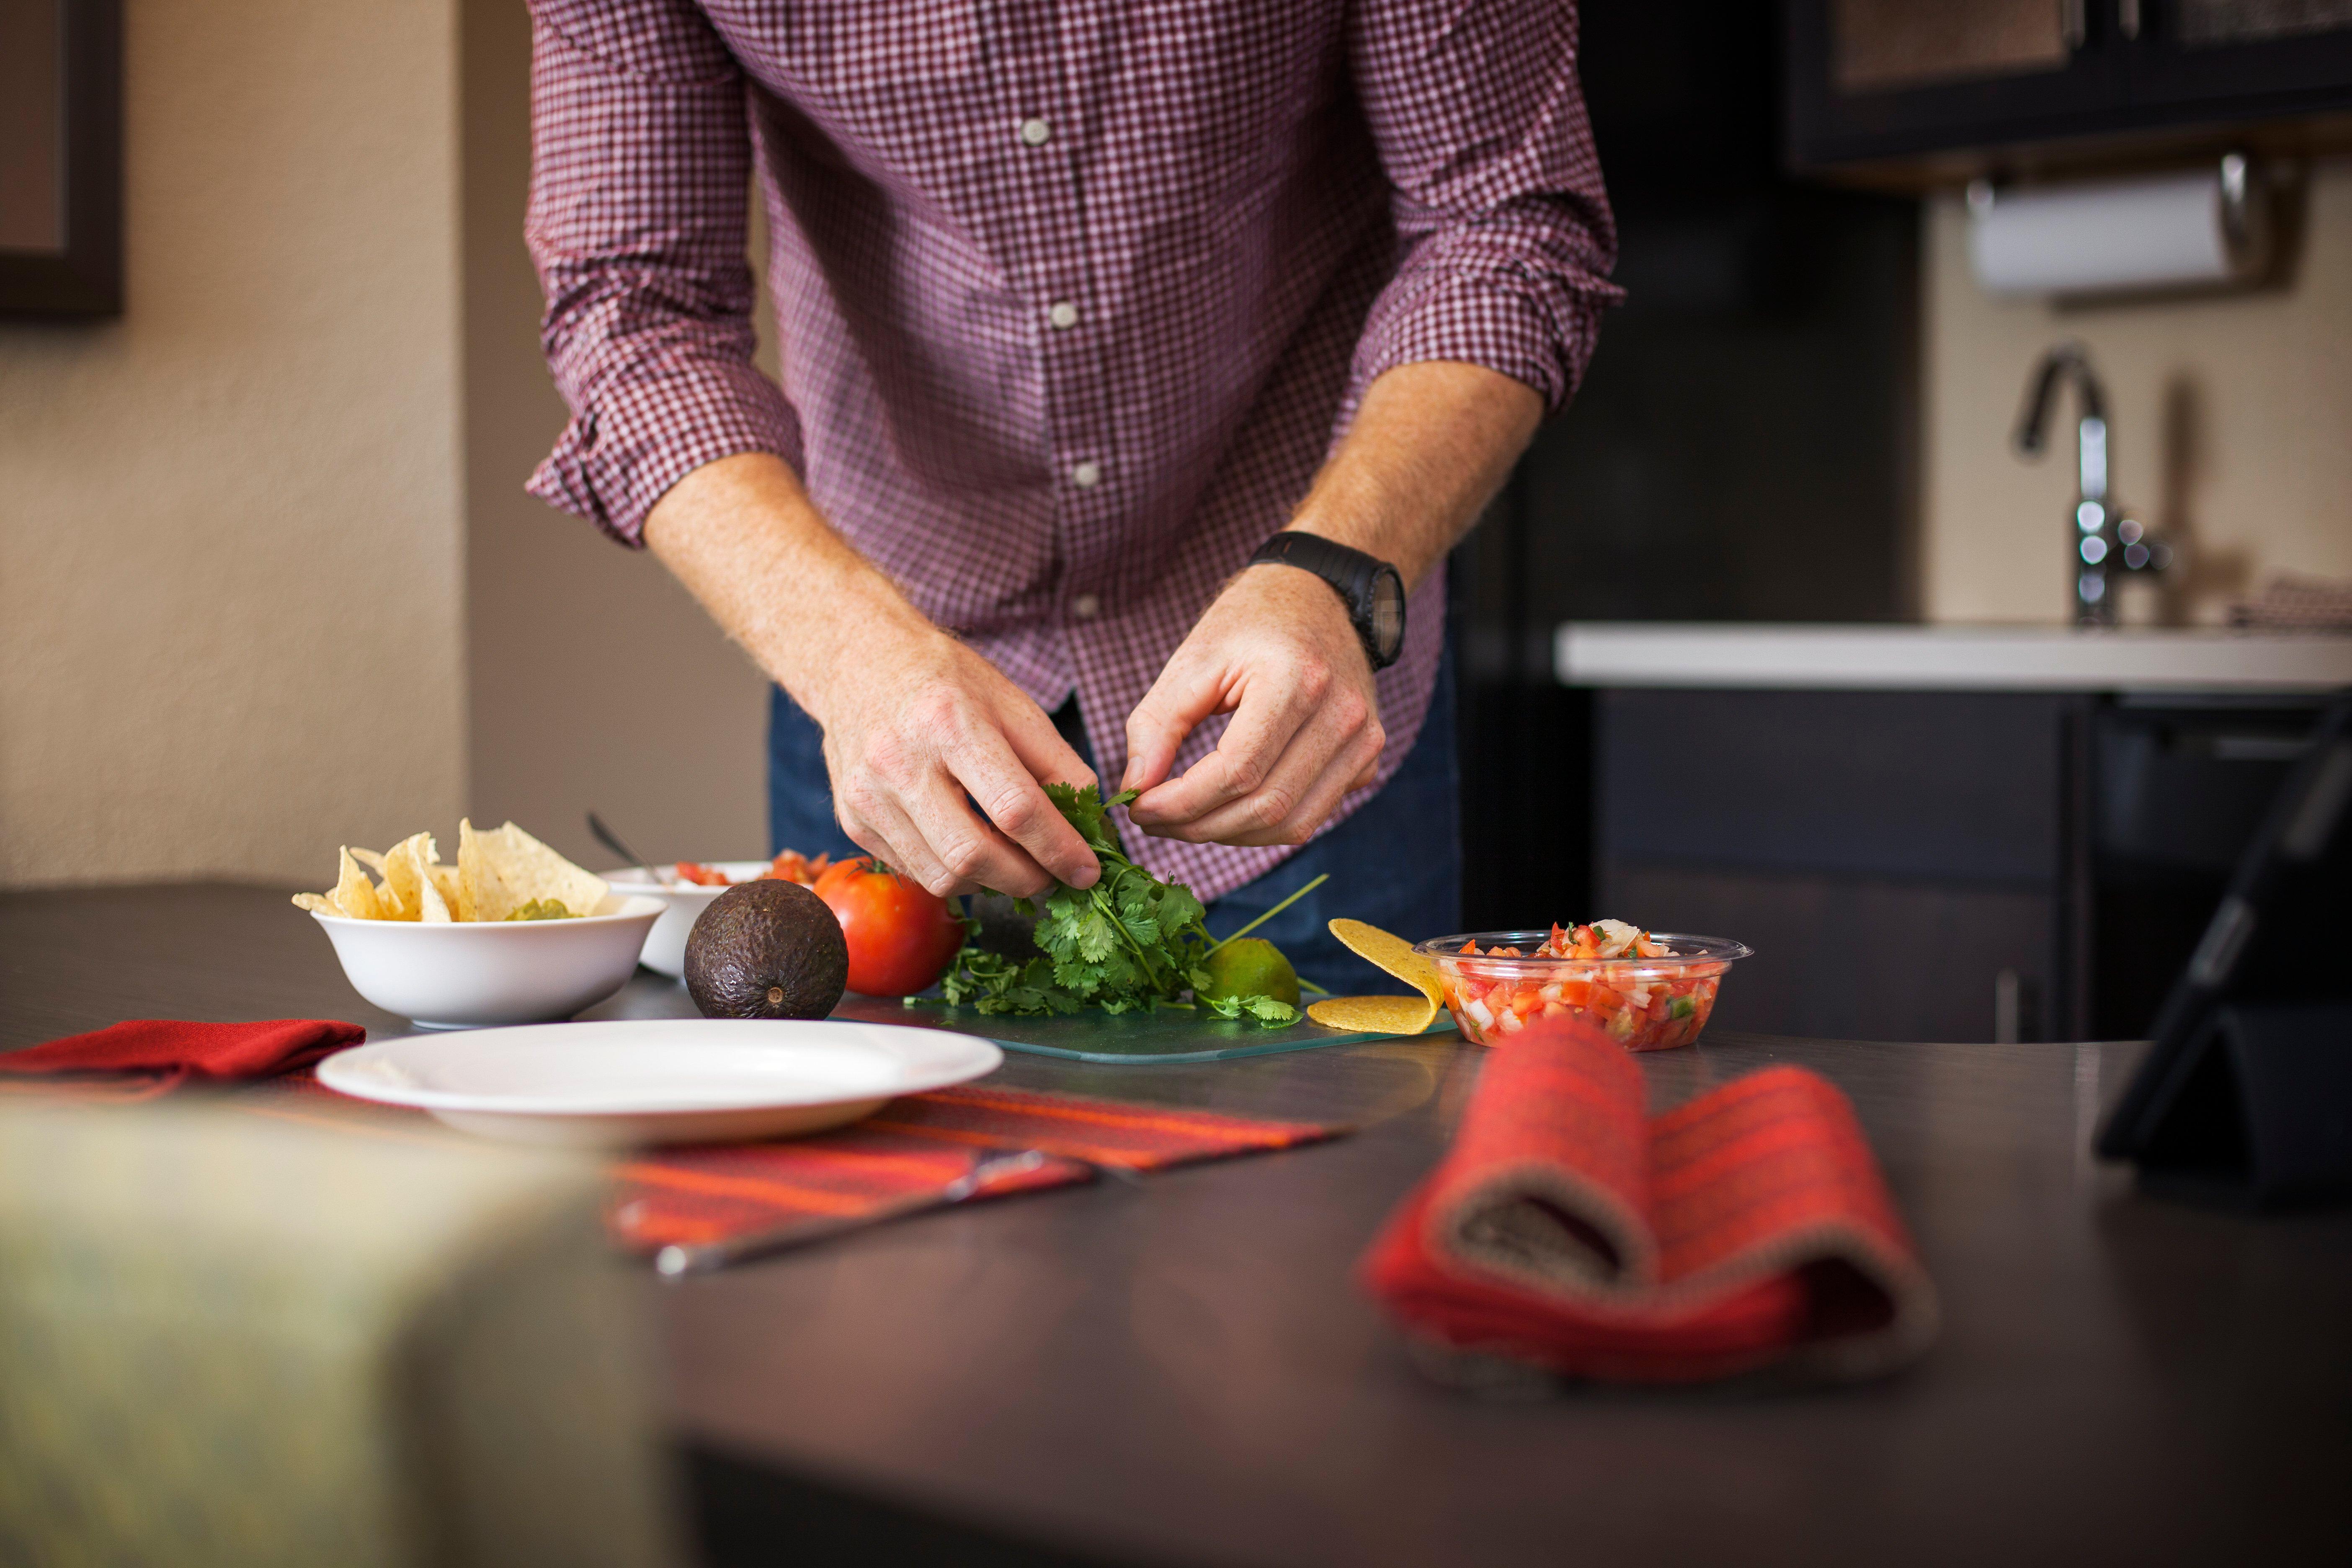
(60, 157)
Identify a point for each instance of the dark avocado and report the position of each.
(766, 950)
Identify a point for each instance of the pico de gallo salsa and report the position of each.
(1642, 992)
(791, 866)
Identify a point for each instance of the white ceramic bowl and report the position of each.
(683, 903)
(458, 975)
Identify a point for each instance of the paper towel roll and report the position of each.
(2170, 231)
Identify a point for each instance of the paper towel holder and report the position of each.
(2201, 231)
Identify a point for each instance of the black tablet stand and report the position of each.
(2247, 1095)
(2259, 1113)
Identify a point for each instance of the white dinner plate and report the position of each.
(658, 1080)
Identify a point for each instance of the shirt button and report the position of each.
(1035, 132)
(1064, 314)
(1085, 607)
(1086, 474)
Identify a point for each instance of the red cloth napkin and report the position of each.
(148, 1057)
(1568, 1230)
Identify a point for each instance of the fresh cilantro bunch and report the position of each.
(1131, 942)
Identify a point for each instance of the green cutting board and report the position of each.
(1170, 1035)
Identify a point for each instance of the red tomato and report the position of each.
(900, 936)
(840, 871)
(700, 875)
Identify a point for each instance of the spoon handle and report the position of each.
(675, 1261)
(612, 840)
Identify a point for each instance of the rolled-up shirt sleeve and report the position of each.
(639, 196)
(1496, 194)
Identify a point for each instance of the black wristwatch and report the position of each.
(1370, 587)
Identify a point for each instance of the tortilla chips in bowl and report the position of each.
(512, 933)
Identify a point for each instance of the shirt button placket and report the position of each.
(1062, 315)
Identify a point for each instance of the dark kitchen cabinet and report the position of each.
(1934, 866)
(1901, 862)
(1880, 82)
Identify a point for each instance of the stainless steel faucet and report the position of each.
(2101, 539)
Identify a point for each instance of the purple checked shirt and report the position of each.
(1072, 298)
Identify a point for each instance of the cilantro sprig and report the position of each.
(1129, 944)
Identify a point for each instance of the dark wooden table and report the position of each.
(1182, 1370)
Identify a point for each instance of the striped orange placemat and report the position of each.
(912, 1146)
(920, 1144)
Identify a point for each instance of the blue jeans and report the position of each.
(1396, 863)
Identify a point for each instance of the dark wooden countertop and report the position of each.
(1183, 1371)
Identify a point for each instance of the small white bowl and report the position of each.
(460, 974)
(682, 904)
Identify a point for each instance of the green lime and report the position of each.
(1251, 966)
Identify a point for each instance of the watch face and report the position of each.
(1388, 612)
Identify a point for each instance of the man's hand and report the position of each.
(1277, 651)
(1429, 449)
(914, 721)
(927, 723)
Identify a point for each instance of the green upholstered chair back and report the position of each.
(229, 1338)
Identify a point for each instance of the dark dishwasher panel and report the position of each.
(2184, 788)
(2177, 789)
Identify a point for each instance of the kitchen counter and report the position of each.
(1946, 658)
(1182, 1370)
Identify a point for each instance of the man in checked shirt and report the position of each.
(1079, 305)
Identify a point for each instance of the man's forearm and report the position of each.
(747, 542)
(1431, 445)
(917, 726)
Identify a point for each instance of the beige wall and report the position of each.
(2232, 421)
(596, 681)
(268, 581)
(230, 542)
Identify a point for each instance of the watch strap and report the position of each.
(1351, 572)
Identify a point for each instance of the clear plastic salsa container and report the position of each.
(1643, 1004)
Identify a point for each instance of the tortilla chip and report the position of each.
(317, 903)
(446, 883)
(1391, 953)
(369, 858)
(483, 894)
(432, 908)
(531, 871)
(1375, 1014)
(354, 895)
(404, 877)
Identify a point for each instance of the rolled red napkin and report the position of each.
(1568, 1230)
(148, 1057)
